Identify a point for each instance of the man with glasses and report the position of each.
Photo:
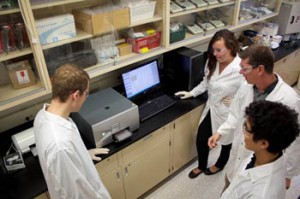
(66, 163)
(257, 63)
(269, 128)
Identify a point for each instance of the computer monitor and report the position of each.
(141, 80)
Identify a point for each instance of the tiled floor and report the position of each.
(203, 187)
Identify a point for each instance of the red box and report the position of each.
(151, 41)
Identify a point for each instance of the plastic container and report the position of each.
(178, 35)
(142, 11)
(151, 41)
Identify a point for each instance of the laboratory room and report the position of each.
(154, 99)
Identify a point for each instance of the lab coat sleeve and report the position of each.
(202, 86)
(292, 153)
(228, 127)
(68, 176)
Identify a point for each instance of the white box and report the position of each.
(141, 11)
(54, 29)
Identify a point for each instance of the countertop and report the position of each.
(29, 182)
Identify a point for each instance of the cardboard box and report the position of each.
(124, 49)
(98, 23)
(21, 75)
(54, 29)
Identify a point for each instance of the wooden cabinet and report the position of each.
(142, 165)
(146, 162)
(43, 196)
(184, 132)
(288, 67)
(22, 76)
(44, 58)
(110, 174)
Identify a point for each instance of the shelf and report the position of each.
(11, 93)
(251, 21)
(201, 9)
(80, 36)
(9, 11)
(53, 3)
(150, 20)
(191, 38)
(123, 61)
(15, 54)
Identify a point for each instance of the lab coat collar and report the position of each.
(231, 67)
(275, 95)
(58, 119)
(259, 172)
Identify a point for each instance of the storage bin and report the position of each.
(178, 35)
(151, 41)
(142, 11)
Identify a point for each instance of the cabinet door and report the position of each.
(251, 11)
(288, 68)
(150, 165)
(114, 183)
(21, 77)
(43, 196)
(110, 175)
(184, 138)
(192, 21)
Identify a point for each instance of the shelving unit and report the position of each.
(9, 98)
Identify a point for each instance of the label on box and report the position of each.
(22, 77)
(54, 29)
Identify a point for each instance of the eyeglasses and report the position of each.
(247, 70)
(247, 129)
(219, 50)
(87, 93)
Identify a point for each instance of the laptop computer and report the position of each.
(142, 86)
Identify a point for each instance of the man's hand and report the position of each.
(226, 101)
(184, 94)
(287, 183)
(212, 141)
(97, 151)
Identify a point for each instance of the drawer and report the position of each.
(107, 165)
(138, 148)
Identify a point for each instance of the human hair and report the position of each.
(259, 55)
(230, 42)
(67, 79)
(274, 122)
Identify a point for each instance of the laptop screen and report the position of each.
(140, 80)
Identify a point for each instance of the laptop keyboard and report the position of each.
(155, 106)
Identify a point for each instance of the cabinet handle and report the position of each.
(149, 136)
(126, 171)
(284, 60)
(118, 176)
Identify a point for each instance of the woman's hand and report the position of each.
(184, 94)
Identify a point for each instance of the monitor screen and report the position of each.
(141, 79)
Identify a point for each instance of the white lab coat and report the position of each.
(231, 129)
(219, 86)
(66, 164)
(262, 182)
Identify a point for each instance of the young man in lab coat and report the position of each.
(269, 128)
(66, 163)
(262, 84)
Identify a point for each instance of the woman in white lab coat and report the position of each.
(221, 81)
